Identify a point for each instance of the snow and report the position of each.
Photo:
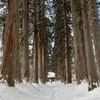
(54, 91)
(51, 74)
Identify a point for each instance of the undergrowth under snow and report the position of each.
(54, 91)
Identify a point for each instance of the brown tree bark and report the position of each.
(11, 55)
(68, 70)
(43, 61)
(57, 74)
(35, 39)
(17, 60)
(77, 44)
(40, 42)
(95, 31)
(40, 56)
(43, 43)
(92, 74)
(25, 45)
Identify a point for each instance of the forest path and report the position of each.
(65, 92)
(51, 91)
(56, 94)
(58, 91)
(54, 91)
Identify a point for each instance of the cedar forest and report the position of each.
(60, 36)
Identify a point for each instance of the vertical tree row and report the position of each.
(87, 24)
(40, 48)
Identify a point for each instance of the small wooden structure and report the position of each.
(51, 77)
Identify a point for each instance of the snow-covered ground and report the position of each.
(54, 91)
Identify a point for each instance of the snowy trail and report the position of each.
(56, 94)
(51, 92)
(54, 91)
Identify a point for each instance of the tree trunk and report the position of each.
(57, 68)
(11, 56)
(43, 61)
(77, 44)
(92, 74)
(40, 43)
(68, 71)
(17, 61)
(35, 45)
(25, 46)
(95, 31)
(40, 57)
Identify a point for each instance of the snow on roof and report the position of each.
(51, 74)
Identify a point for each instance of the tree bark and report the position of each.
(40, 43)
(68, 69)
(35, 45)
(17, 60)
(95, 31)
(11, 56)
(43, 61)
(77, 44)
(25, 45)
(92, 74)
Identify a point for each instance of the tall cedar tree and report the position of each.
(11, 65)
(95, 31)
(43, 42)
(68, 71)
(40, 41)
(77, 44)
(24, 40)
(35, 39)
(92, 73)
